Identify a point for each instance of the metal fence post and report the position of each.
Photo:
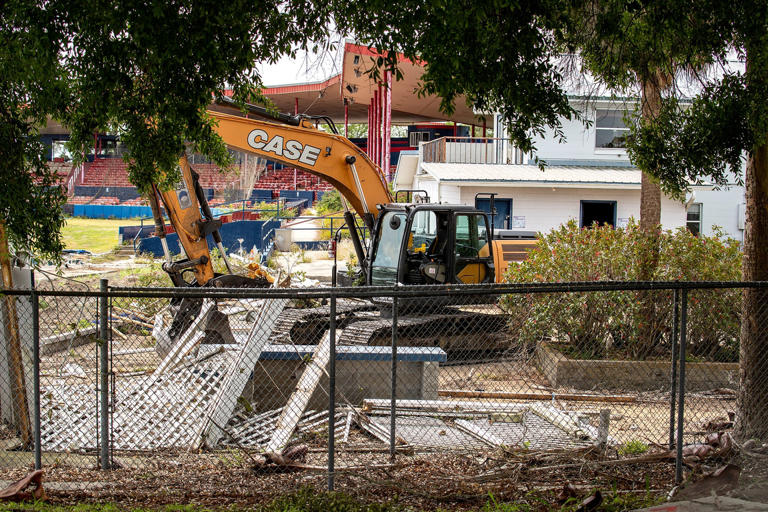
(393, 395)
(673, 385)
(35, 299)
(681, 388)
(104, 376)
(332, 392)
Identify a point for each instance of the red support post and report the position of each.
(369, 143)
(485, 130)
(376, 115)
(296, 106)
(473, 131)
(346, 118)
(388, 125)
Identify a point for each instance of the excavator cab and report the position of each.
(417, 244)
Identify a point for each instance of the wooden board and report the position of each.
(299, 399)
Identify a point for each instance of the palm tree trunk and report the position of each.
(752, 419)
(650, 223)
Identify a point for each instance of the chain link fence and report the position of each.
(339, 387)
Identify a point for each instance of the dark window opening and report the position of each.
(601, 212)
(693, 221)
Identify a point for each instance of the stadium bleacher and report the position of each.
(106, 179)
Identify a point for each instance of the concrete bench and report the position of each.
(361, 372)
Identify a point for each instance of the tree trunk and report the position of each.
(753, 371)
(650, 224)
(650, 192)
(12, 338)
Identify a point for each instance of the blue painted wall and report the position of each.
(309, 195)
(251, 231)
(109, 211)
(103, 211)
(122, 193)
(261, 194)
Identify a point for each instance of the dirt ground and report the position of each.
(429, 481)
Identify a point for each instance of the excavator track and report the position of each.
(455, 330)
(307, 326)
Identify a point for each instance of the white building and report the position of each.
(587, 178)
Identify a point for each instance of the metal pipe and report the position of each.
(104, 375)
(408, 291)
(393, 391)
(157, 215)
(673, 385)
(332, 377)
(223, 252)
(35, 299)
(350, 159)
(681, 389)
(264, 112)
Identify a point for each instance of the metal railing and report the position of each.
(471, 150)
(356, 381)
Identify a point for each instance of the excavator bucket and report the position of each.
(216, 324)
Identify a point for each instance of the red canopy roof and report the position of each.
(356, 86)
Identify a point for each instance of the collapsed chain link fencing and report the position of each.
(331, 381)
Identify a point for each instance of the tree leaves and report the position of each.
(500, 55)
(145, 70)
(703, 141)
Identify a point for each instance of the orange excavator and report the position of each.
(412, 243)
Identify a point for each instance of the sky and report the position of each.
(306, 67)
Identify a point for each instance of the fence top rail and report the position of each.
(394, 291)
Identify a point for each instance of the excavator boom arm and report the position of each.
(331, 157)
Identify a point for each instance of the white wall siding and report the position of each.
(451, 194)
(579, 145)
(721, 208)
(545, 208)
(428, 184)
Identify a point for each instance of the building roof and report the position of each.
(532, 176)
(407, 165)
(355, 85)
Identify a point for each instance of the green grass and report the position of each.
(94, 235)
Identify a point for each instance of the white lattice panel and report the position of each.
(163, 410)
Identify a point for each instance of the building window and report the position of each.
(610, 130)
(416, 137)
(59, 151)
(693, 222)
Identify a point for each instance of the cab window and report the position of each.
(471, 236)
(423, 232)
(385, 260)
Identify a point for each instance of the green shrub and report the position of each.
(329, 203)
(634, 447)
(590, 323)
